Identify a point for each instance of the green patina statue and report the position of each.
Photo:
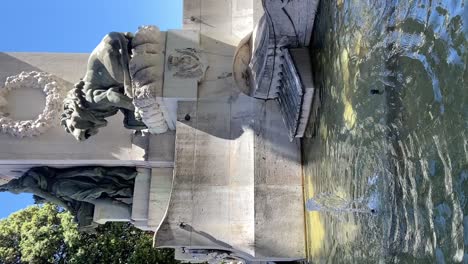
(77, 189)
(105, 89)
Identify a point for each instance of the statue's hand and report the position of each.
(113, 97)
(118, 99)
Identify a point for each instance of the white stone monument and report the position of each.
(219, 173)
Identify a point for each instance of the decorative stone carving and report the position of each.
(264, 67)
(53, 91)
(285, 25)
(241, 62)
(77, 189)
(146, 70)
(105, 89)
(149, 108)
(296, 90)
(188, 63)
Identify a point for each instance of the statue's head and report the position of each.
(76, 119)
(3, 188)
(4, 180)
(10, 186)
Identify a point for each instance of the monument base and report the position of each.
(237, 186)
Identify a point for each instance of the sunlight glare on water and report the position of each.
(386, 160)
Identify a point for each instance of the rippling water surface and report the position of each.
(386, 163)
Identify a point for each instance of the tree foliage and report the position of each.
(46, 234)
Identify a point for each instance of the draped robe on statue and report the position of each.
(77, 189)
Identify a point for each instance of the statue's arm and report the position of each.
(113, 97)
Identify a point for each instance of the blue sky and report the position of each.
(74, 26)
(78, 25)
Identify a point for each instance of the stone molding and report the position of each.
(48, 118)
(285, 25)
(265, 68)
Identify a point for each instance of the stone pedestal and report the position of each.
(237, 182)
(104, 213)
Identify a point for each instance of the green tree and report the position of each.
(47, 234)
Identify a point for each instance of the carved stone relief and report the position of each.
(241, 64)
(53, 91)
(286, 24)
(188, 63)
(265, 68)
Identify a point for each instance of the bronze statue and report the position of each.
(105, 89)
(77, 189)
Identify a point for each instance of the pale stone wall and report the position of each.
(113, 145)
(237, 177)
(224, 20)
(68, 66)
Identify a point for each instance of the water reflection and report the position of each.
(392, 134)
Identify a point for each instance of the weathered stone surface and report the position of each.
(141, 195)
(181, 85)
(227, 21)
(285, 24)
(159, 196)
(301, 58)
(147, 71)
(263, 65)
(234, 165)
(68, 67)
(108, 212)
(241, 64)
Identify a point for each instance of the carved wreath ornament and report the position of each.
(49, 116)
